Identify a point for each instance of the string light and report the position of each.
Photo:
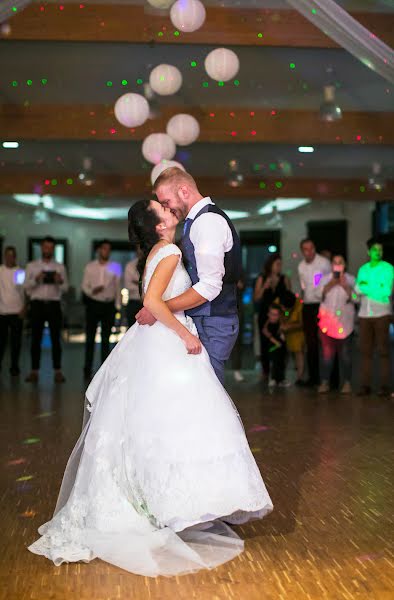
(193, 63)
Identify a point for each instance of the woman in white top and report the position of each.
(336, 323)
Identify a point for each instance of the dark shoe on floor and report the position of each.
(384, 392)
(365, 390)
(32, 377)
(59, 377)
(14, 372)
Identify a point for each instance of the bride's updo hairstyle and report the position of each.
(142, 222)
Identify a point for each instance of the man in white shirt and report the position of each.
(46, 281)
(310, 271)
(131, 283)
(212, 255)
(374, 283)
(101, 288)
(12, 308)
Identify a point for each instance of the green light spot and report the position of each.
(272, 167)
(286, 313)
(124, 82)
(305, 86)
(292, 66)
(70, 181)
(259, 35)
(193, 63)
(176, 33)
(139, 81)
(338, 313)
(109, 84)
(160, 34)
(314, 11)
(44, 81)
(14, 9)
(14, 84)
(54, 182)
(362, 188)
(354, 296)
(278, 184)
(236, 82)
(205, 84)
(29, 82)
(220, 83)
(262, 185)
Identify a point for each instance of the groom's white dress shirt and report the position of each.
(211, 237)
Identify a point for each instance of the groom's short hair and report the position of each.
(174, 176)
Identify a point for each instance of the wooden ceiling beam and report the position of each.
(140, 24)
(120, 186)
(218, 124)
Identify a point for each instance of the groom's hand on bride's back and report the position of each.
(144, 317)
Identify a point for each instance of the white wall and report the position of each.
(16, 226)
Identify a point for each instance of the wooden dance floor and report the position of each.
(327, 463)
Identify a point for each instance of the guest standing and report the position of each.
(310, 272)
(336, 324)
(101, 287)
(375, 286)
(274, 344)
(269, 288)
(46, 281)
(12, 308)
(131, 283)
(294, 334)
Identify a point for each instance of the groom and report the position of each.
(212, 255)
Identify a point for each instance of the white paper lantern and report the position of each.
(157, 147)
(165, 80)
(163, 4)
(222, 64)
(162, 166)
(131, 110)
(187, 15)
(184, 129)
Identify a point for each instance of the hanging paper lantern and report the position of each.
(162, 166)
(157, 147)
(222, 64)
(187, 15)
(184, 129)
(163, 4)
(131, 110)
(165, 80)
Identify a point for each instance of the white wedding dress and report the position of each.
(162, 459)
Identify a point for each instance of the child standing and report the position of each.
(293, 328)
(274, 346)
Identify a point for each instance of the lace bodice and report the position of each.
(180, 281)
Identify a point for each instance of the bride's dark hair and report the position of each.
(142, 222)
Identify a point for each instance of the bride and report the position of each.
(163, 465)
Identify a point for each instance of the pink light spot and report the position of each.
(112, 131)
(273, 113)
(252, 114)
(253, 132)
(233, 133)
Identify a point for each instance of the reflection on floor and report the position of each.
(327, 462)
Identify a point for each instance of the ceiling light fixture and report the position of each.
(306, 149)
(376, 181)
(329, 110)
(10, 144)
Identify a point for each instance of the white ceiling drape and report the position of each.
(339, 25)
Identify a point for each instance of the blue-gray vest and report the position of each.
(226, 302)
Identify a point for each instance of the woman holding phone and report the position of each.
(336, 323)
